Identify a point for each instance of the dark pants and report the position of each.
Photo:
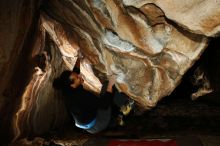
(106, 118)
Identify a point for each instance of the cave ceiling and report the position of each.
(148, 44)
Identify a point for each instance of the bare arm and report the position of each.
(111, 82)
(106, 96)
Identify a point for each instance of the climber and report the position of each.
(90, 112)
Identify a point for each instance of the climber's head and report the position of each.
(68, 79)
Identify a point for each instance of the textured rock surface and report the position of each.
(147, 44)
(148, 54)
(17, 20)
(198, 16)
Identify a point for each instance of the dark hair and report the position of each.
(63, 80)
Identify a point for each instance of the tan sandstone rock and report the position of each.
(147, 44)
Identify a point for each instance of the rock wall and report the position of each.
(18, 22)
(148, 53)
(148, 44)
